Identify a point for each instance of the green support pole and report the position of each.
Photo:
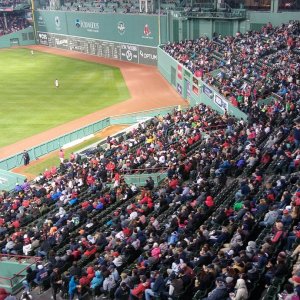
(33, 20)
(275, 5)
(215, 5)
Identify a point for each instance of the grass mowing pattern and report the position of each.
(31, 104)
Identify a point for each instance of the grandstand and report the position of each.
(248, 67)
(15, 20)
(213, 207)
(12, 22)
(197, 202)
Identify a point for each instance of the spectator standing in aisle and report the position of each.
(26, 158)
(297, 135)
(55, 281)
(61, 155)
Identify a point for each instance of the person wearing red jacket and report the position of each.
(279, 233)
(47, 174)
(16, 224)
(110, 167)
(85, 204)
(173, 183)
(3, 294)
(139, 290)
(90, 273)
(147, 200)
(209, 201)
(90, 180)
(266, 158)
(84, 281)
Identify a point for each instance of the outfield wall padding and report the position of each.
(192, 88)
(114, 50)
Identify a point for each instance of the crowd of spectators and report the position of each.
(247, 67)
(175, 254)
(224, 223)
(12, 22)
(114, 6)
(11, 3)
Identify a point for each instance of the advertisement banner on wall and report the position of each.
(179, 72)
(129, 53)
(187, 74)
(195, 90)
(122, 51)
(188, 89)
(61, 42)
(207, 91)
(179, 88)
(43, 39)
(221, 103)
(195, 81)
(54, 22)
(122, 28)
(147, 55)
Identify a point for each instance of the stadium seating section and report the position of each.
(12, 22)
(247, 67)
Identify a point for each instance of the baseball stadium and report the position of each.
(150, 149)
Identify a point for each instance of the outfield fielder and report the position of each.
(56, 83)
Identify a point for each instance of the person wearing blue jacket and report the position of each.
(97, 280)
(41, 275)
(99, 206)
(73, 287)
(73, 201)
(157, 287)
(220, 292)
(173, 238)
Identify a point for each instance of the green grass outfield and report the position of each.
(31, 104)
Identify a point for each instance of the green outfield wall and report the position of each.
(126, 37)
(20, 38)
(122, 28)
(193, 89)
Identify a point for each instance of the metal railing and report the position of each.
(14, 283)
(239, 14)
(141, 179)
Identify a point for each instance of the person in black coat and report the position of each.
(26, 158)
(122, 292)
(157, 287)
(75, 270)
(30, 275)
(55, 282)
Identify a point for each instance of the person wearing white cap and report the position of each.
(91, 239)
(26, 246)
(40, 275)
(241, 291)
